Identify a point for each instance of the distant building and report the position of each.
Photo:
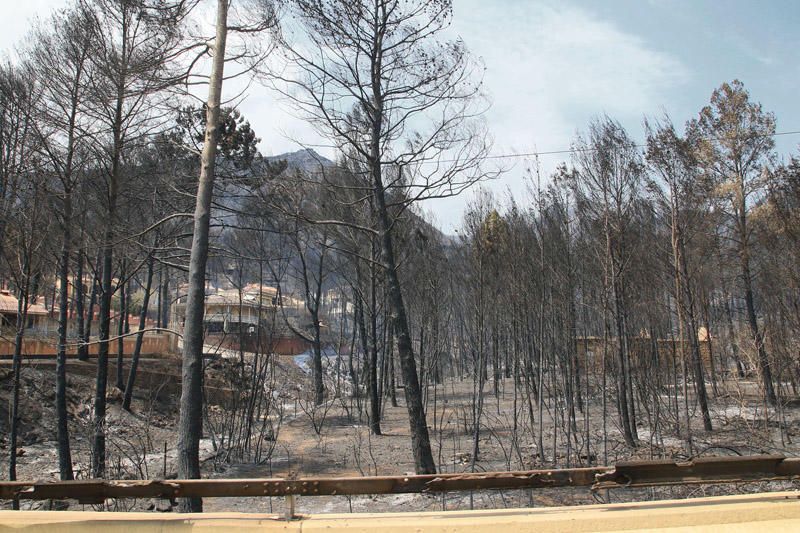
(336, 304)
(661, 353)
(38, 317)
(253, 319)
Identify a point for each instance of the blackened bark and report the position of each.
(392, 377)
(80, 293)
(159, 312)
(123, 312)
(83, 349)
(22, 318)
(62, 429)
(137, 349)
(692, 327)
(319, 386)
(749, 300)
(371, 356)
(420, 441)
(101, 378)
(758, 337)
(106, 292)
(623, 405)
(164, 299)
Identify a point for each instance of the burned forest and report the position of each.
(398, 294)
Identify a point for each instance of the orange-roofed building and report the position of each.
(37, 314)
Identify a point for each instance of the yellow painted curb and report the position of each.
(767, 512)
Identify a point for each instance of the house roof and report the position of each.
(230, 297)
(250, 297)
(9, 305)
(265, 289)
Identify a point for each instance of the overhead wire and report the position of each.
(562, 151)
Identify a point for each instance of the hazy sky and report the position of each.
(553, 65)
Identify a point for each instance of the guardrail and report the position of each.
(709, 470)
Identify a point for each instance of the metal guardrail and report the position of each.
(625, 474)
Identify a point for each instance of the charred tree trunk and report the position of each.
(420, 440)
(319, 385)
(62, 429)
(692, 327)
(83, 349)
(371, 357)
(623, 404)
(190, 426)
(126, 401)
(22, 318)
(80, 293)
(164, 299)
(101, 378)
(758, 337)
(123, 313)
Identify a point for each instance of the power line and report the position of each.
(553, 152)
(577, 150)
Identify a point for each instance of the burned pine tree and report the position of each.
(372, 70)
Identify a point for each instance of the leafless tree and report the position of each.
(26, 259)
(608, 188)
(59, 55)
(190, 426)
(135, 45)
(681, 199)
(375, 78)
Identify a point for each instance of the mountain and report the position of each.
(306, 160)
(231, 193)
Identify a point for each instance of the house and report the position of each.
(38, 318)
(251, 319)
(642, 349)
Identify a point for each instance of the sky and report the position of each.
(551, 66)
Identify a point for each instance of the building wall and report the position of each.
(279, 345)
(152, 344)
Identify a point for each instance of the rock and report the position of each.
(163, 506)
(114, 395)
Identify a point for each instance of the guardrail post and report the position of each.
(290, 501)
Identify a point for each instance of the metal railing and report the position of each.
(707, 470)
